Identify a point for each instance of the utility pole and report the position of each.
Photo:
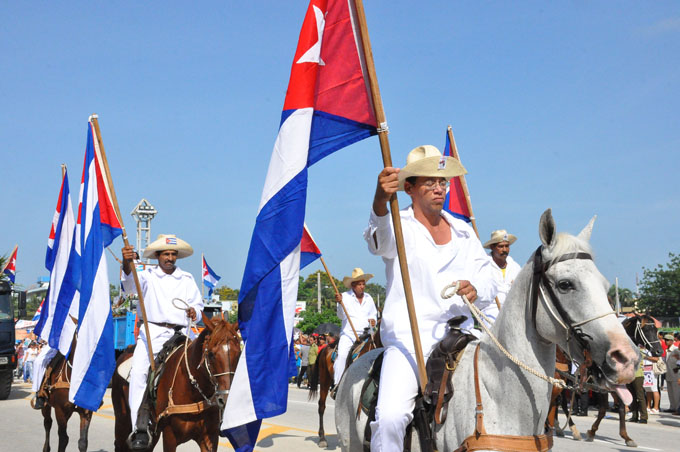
(318, 291)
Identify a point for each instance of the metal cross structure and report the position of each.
(143, 213)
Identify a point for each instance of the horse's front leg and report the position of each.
(322, 408)
(169, 439)
(601, 412)
(574, 431)
(47, 423)
(622, 422)
(85, 419)
(63, 415)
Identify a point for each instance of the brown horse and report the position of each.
(322, 375)
(559, 398)
(57, 384)
(192, 390)
(642, 330)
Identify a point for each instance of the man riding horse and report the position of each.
(362, 312)
(160, 285)
(440, 249)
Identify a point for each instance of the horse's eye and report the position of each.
(565, 285)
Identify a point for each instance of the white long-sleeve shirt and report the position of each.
(359, 313)
(504, 282)
(431, 268)
(159, 289)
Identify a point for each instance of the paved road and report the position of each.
(21, 429)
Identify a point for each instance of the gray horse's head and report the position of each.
(571, 306)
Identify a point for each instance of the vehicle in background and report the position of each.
(8, 357)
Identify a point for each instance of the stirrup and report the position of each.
(38, 403)
(139, 440)
(333, 391)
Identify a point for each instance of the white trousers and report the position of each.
(396, 400)
(140, 366)
(344, 347)
(40, 364)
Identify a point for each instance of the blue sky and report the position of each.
(570, 105)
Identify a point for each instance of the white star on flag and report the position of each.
(313, 55)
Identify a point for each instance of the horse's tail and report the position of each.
(314, 376)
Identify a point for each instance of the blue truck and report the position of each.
(8, 357)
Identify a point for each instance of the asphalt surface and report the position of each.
(21, 429)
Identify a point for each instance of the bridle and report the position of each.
(540, 285)
(639, 332)
(213, 376)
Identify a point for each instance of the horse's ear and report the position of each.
(209, 325)
(546, 228)
(585, 233)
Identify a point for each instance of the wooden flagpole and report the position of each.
(337, 292)
(394, 203)
(114, 200)
(463, 183)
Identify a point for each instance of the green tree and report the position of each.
(626, 296)
(227, 293)
(660, 289)
(307, 290)
(3, 276)
(311, 318)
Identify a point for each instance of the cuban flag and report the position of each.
(62, 261)
(210, 278)
(327, 107)
(97, 226)
(455, 202)
(309, 252)
(11, 265)
(36, 316)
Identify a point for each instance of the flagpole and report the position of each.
(202, 283)
(114, 200)
(394, 203)
(466, 192)
(337, 293)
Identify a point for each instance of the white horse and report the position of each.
(571, 310)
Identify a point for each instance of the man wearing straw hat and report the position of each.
(440, 249)
(362, 312)
(161, 285)
(505, 268)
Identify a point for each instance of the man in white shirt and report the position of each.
(160, 285)
(362, 313)
(440, 249)
(505, 268)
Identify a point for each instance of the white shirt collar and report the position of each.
(177, 274)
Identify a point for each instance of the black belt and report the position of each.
(168, 325)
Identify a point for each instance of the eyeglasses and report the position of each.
(430, 184)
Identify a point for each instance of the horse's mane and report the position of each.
(567, 243)
(220, 333)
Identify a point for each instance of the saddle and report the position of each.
(175, 342)
(431, 406)
(365, 341)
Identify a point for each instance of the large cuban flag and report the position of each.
(62, 261)
(11, 265)
(455, 202)
(97, 226)
(327, 107)
(210, 278)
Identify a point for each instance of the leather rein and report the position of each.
(207, 402)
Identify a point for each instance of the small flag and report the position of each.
(309, 252)
(36, 316)
(94, 359)
(210, 278)
(11, 265)
(455, 202)
(327, 107)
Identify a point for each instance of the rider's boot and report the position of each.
(38, 402)
(140, 438)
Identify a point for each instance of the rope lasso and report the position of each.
(479, 315)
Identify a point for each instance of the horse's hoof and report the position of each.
(577, 436)
(631, 443)
(590, 436)
(323, 443)
(559, 433)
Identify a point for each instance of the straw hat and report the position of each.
(168, 242)
(357, 275)
(669, 336)
(427, 161)
(499, 236)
